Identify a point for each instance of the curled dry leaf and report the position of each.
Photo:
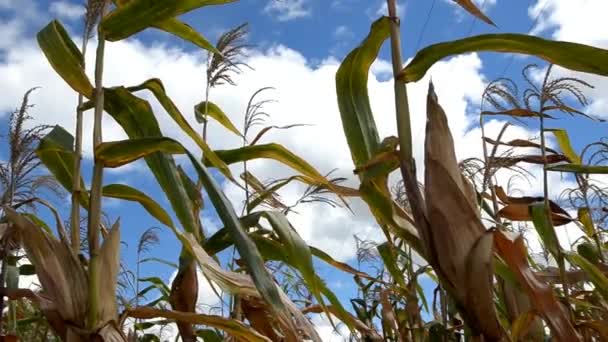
(517, 208)
(513, 251)
(242, 284)
(60, 273)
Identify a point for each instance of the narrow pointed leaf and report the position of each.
(577, 57)
(65, 57)
(584, 216)
(109, 266)
(599, 280)
(470, 7)
(135, 116)
(179, 29)
(279, 153)
(55, 150)
(119, 153)
(231, 326)
(156, 87)
(582, 169)
(137, 15)
(353, 99)
(216, 113)
(563, 140)
(544, 228)
(125, 192)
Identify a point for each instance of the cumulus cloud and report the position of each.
(66, 10)
(286, 10)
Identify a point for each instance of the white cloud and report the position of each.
(286, 10)
(343, 32)
(67, 10)
(580, 22)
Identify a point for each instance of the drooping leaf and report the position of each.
(390, 262)
(179, 29)
(118, 153)
(470, 7)
(55, 150)
(544, 228)
(519, 143)
(517, 112)
(584, 216)
(223, 206)
(513, 251)
(137, 15)
(577, 57)
(125, 192)
(517, 208)
(65, 57)
(231, 326)
(156, 87)
(563, 140)
(135, 116)
(279, 153)
(353, 100)
(216, 113)
(599, 279)
(239, 283)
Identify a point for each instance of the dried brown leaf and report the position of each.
(513, 251)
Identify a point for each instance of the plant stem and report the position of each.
(76, 189)
(406, 159)
(560, 261)
(96, 186)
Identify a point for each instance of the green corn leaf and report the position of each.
(577, 57)
(160, 261)
(55, 150)
(544, 228)
(390, 262)
(119, 153)
(583, 169)
(179, 29)
(584, 216)
(595, 275)
(137, 15)
(125, 192)
(353, 100)
(158, 283)
(135, 116)
(223, 206)
(216, 113)
(65, 57)
(280, 154)
(156, 87)
(563, 140)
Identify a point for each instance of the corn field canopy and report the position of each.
(297, 170)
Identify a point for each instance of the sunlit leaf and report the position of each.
(215, 112)
(156, 87)
(470, 7)
(65, 57)
(231, 326)
(137, 15)
(577, 57)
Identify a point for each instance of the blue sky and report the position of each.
(299, 44)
